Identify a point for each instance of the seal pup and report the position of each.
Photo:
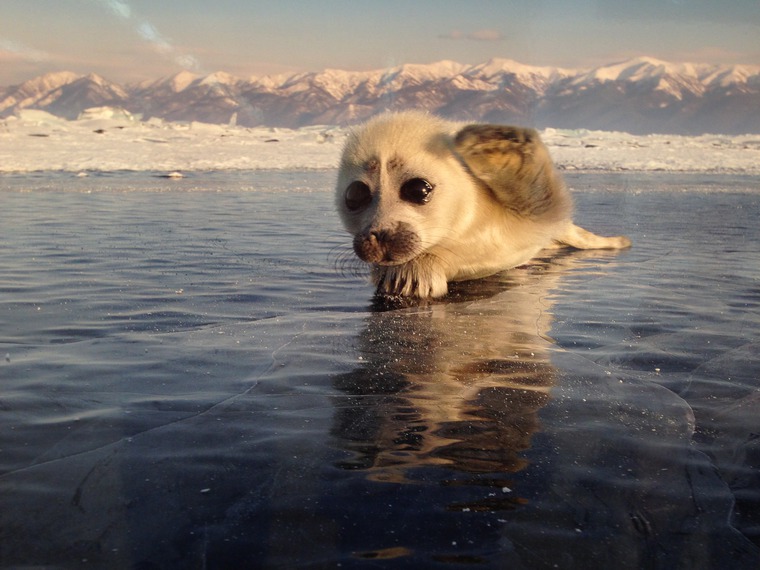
(430, 201)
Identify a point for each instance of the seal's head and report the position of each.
(398, 187)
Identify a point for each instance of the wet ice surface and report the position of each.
(188, 380)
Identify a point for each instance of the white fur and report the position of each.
(468, 229)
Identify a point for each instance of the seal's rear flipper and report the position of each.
(577, 237)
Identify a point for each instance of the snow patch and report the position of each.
(106, 114)
(109, 139)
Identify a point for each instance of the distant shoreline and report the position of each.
(107, 140)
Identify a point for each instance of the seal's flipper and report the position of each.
(577, 237)
(515, 165)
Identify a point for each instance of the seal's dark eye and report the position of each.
(358, 196)
(417, 191)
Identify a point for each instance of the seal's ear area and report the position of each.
(515, 165)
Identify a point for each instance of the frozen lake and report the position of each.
(194, 376)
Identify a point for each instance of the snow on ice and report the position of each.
(107, 139)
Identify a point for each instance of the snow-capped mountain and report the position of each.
(64, 94)
(642, 95)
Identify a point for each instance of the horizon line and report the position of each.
(582, 69)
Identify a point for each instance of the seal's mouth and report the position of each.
(387, 247)
(390, 262)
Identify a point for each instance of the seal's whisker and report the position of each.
(345, 262)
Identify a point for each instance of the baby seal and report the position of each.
(430, 201)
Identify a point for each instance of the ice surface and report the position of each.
(190, 381)
(104, 140)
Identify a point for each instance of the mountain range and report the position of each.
(640, 96)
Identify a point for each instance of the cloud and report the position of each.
(118, 7)
(148, 32)
(484, 35)
(453, 35)
(23, 52)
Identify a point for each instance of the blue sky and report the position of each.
(131, 40)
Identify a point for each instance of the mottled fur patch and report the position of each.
(396, 163)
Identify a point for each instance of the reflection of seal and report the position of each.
(429, 201)
(453, 386)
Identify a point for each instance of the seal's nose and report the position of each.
(371, 246)
(379, 236)
(387, 246)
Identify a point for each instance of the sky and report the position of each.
(133, 40)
